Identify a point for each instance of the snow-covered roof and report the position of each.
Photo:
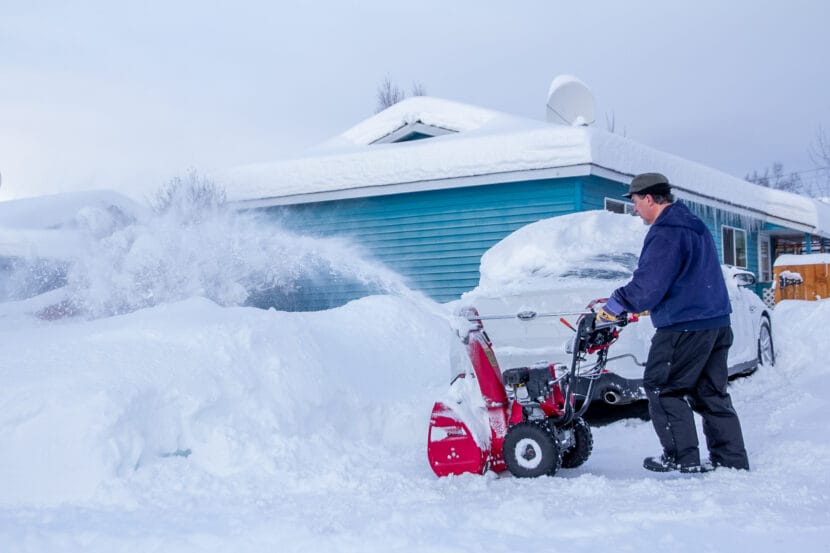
(434, 112)
(486, 146)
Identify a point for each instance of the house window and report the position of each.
(734, 246)
(616, 206)
(764, 261)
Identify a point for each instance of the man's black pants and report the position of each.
(688, 370)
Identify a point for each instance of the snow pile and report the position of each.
(216, 392)
(569, 249)
(71, 210)
(789, 277)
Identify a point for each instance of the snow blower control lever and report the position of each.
(524, 420)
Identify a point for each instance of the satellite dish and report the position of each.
(570, 102)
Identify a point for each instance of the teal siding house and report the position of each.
(428, 185)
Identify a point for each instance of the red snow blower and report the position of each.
(524, 420)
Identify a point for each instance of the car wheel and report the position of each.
(766, 349)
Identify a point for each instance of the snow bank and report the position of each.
(229, 391)
(192, 427)
(67, 210)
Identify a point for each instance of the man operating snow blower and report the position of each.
(679, 280)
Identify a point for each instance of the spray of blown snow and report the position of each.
(191, 244)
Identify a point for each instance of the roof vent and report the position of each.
(412, 131)
(570, 102)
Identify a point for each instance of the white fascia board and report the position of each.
(694, 196)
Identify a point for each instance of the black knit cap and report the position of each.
(649, 183)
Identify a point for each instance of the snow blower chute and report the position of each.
(524, 420)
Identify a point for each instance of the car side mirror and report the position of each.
(744, 279)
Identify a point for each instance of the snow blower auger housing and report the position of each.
(523, 420)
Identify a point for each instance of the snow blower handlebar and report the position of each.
(530, 315)
(525, 315)
(592, 336)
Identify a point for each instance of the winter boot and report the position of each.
(666, 463)
(663, 463)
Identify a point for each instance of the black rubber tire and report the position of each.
(531, 450)
(582, 447)
(765, 334)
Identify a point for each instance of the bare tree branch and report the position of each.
(820, 155)
(418, 89)
(388, 94)
(775, 178)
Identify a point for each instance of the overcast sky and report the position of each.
(126, 95)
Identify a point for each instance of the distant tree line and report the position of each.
(817, 186)
(775, 178)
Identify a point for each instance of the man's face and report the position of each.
(645, 207)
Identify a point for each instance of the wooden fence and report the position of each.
(801, 282)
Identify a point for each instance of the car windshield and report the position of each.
(612, 266)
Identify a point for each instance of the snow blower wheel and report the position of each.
(531, 450)
(580, 449)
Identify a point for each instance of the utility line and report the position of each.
(810, 170)
(805, 171)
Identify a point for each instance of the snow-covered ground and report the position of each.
(192, 424)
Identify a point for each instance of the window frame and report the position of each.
(628, 207)
(727, 230)
(764, 258)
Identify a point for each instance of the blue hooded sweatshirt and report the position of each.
(678, 278)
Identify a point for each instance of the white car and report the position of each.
(556, 266)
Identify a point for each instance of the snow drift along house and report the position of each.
(428, 185)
